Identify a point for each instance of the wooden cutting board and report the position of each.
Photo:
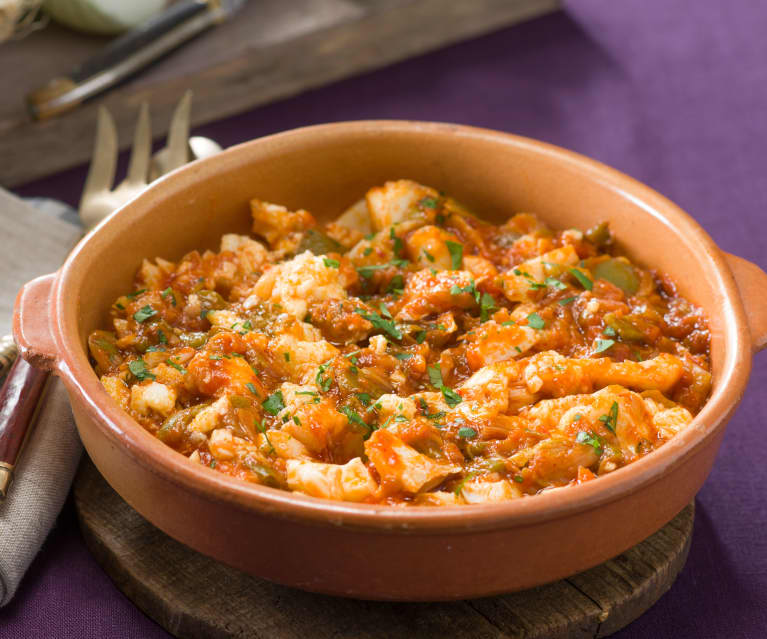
(271, 49)
(193, 596)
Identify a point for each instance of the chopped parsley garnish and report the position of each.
(135, 294)
(611, 419)
(419, 337)
(399, 263)
(435, 376)
(469, 288)
(519, 479)
(428, 255)
(467, 433)
(262, 427)
(590, 439)
(215, 357)
(366, 272)
(120, 306)
(144, 313)
(176, 365)
(296, 420)
(566, 301)
(387, 326)
(155, 348)
(330, 262)
(582, 278)
(139, 370)
(310, 393)
(354, 417)
(286, 355)
(535, 321)
(274, 403)
(508, 323)
(459, 487)
(609, 331)
(452, 398)
(169, 291)
(456, 254)
(486, 304)
(396, 286)
(384, 311)
(364, 398)
(403, 356)
(428, 202)
(397, 243)
(251, 388)
(603, 344)
(367, 251)
(553, 282)
(322, 381)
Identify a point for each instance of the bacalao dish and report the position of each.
(406, 353)
(378, 551)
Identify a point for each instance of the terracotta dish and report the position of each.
(384, 552)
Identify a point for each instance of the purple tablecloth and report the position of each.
(672, 93)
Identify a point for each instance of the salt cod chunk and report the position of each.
(299, 359)
(553, 374)
(153, 397)
(251, 255)
(209, 418)
(297, 283)
(348, 482)
(487, 492)
(392, 202)
(276, 223)
(399, 464)
(516, 282)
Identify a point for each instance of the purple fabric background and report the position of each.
(672, 93)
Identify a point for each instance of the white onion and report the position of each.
(107, 17)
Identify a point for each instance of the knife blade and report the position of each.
(129, 54)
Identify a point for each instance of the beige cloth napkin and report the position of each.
(34, 242)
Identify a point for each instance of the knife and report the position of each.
(130, 53)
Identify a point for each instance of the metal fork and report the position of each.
(99, 199)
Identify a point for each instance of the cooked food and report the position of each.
(407, 353)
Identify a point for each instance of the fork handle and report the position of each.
(19, 398)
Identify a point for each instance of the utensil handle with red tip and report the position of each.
(19, 398)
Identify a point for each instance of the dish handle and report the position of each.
(752, 284)
(31, 323)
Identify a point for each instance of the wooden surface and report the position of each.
(193, 596)
(272, 49)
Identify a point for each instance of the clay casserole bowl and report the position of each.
(369, 551)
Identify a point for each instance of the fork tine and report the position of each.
(101, 173)
(178, 135)
(142, 147)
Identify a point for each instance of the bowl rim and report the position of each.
(157, 458)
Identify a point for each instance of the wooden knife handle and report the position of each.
(19, 398)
